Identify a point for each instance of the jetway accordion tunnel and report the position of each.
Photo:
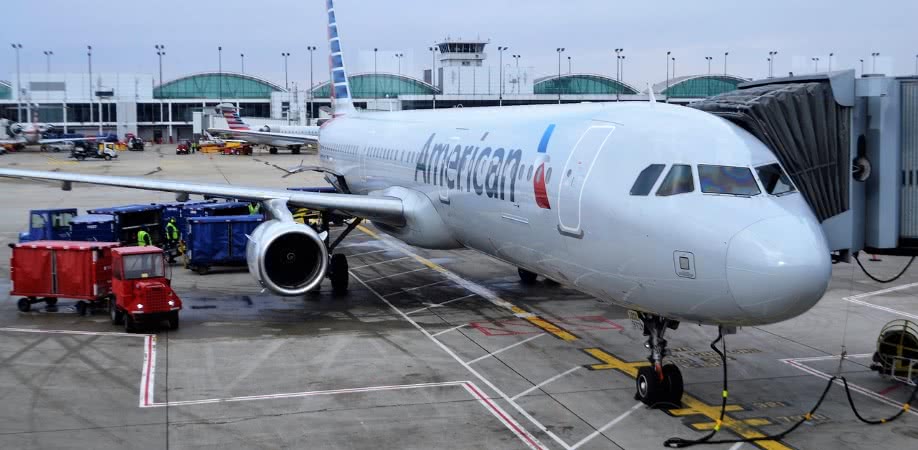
(849, 144)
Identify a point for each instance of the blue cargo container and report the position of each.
(93, 228)
(179, 211)
(215, 209)
(218, 240)
(132, 218)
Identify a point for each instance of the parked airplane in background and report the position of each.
(22, 134)
(273, 136)
(665, 210)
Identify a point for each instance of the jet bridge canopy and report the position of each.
(806, 127)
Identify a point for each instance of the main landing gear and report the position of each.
(272, 150)
(658, 384)
(337, 267)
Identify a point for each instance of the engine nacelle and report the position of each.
(15, 129)
(267, 129)
(286, 257)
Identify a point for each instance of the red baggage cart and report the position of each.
(43, 271)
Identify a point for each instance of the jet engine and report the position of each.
(287, 257)
(13, 129)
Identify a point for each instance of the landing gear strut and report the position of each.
(658, 384)
(338, 267)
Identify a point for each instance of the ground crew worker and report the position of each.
(172, 233)
(143, 238)
(254, 208)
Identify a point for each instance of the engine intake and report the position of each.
(286, 257)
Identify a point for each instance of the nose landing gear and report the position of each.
(658, 384)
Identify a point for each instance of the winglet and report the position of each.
(340, 88)
(652, 97)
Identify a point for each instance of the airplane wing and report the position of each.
(263, 135)
(384, 209)
(54, 141)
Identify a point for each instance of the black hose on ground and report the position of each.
(879, 280)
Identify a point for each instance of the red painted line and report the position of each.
(890, 389)
(509, 421)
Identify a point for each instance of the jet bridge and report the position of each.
(851, 147)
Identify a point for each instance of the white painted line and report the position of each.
(474, 372)
(381, 262)
(882, 291)
(854, 387)
(828, 357)
(83, 333)
(307, 394)
(395, 275)
(367, 253)
(501, 415)
(403, 290)
(449, 329)
(737, 446)
(882, 308)
(605, 427)
(148, 372)
(506, 348)
(439, 305)
(554, 378)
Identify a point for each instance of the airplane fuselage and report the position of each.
(548, 189)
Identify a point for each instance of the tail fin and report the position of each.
(340, 88)
(231, 114)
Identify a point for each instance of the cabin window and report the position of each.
(678, 181)
(727, 180)
(548, 176)
(529, 174)
(774, 180)
(647, 178)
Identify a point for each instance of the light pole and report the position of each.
(816, 64)
(667, 76)
(674, 67)
(286, 83)
(16, 48)
(568, 65)
(242, 63)
(726, 54)
(89, 55)
(517, 58)
(220, 69)
(48, 54)
(500, 91)
(862, 66)
(618, 59)
(160, 52)
(916, 64)
(433, 74)
(375, 78)
(830, 61)
(399, 56)
(311, 49)
(559, 50)
(771, 65)
(707, 87)
(874, 55)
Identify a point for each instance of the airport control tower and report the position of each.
(462, 70)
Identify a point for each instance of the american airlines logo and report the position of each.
(486, 171)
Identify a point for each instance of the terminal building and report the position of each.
(465, 75)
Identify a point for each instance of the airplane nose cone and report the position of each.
(778, 268)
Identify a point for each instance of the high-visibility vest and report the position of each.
(172, 231)
(143, 239)
(253, 209)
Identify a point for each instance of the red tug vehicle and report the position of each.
(131, 282)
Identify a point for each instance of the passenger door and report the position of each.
(574, 176)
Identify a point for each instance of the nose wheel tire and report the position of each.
(654, 392)
(527, 277)
(338, 273)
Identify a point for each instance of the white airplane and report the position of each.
(20, 135)
(665, 210)
(272, 136)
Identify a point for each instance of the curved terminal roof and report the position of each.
(6, 90)
(581, 84)
(208, 85)
(698, 86)
(380, 85)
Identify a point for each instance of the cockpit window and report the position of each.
(774, 180)
(678, 181)
(646, 179)
(727, 180)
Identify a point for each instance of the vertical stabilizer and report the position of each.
(340, 89)
(231, 114)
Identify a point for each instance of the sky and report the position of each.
(123, 34)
